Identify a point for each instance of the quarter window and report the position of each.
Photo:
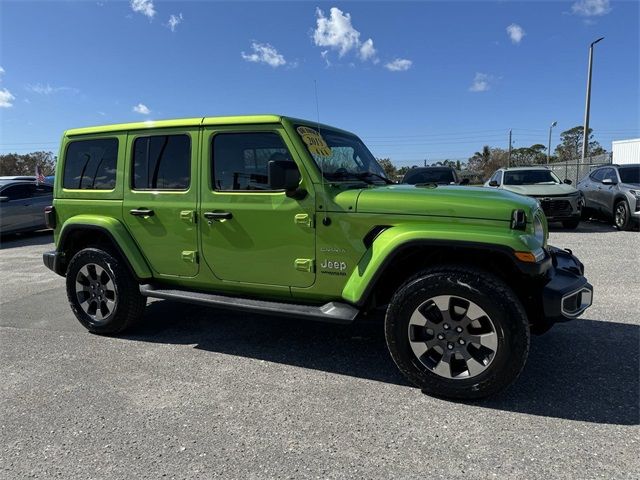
(91, 164)
(161, 162)
(241, 160)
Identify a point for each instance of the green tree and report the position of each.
(570, 147)
(25, 164)
(487, 161)
(533, 155)
(388, 167)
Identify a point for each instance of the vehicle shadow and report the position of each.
(14, 240)
(585, 226)
(586, 370)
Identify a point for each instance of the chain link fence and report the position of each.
(576, 170)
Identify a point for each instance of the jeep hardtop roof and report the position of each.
(195, 122)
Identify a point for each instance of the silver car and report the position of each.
(558, 199)
(22, 204)
(613, 191)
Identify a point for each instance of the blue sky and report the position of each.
(415, 80)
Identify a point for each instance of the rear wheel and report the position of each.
(103, 294)
(457, 333)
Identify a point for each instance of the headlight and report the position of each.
(635, 193)
(538, 229)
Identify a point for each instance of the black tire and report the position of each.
(571, 224)
(492, 295)
(117, 305)
(622, 215)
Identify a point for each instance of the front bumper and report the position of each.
(561, 208)
(567, 294)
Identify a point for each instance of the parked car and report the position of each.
(436, 175)
(22, 204)
(271, 214)
(559, 200)
(613, 191)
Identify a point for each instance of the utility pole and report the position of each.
(585, 136)
(425, 162)
(509, 161)
(549, 144)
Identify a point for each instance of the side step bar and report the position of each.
(334, 312)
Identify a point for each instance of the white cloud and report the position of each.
(398, 65)
(1, 71)
(480, 83)
(367, 51)
(174, 21)
(337, 33)
(142, 109)
(591, 8)
(46, 89)
(6, 98)
(325, 56)
(145, 7)
(516, 33)
(264, 53)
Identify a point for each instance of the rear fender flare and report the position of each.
(116, 231)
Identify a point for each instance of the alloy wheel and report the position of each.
(96, 292)
(453, 337)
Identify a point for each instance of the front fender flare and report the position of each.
(391, 242)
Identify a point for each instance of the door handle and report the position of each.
(218, 215)
(142, 212)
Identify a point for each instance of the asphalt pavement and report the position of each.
(195, 392)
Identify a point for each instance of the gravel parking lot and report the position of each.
(202, 393)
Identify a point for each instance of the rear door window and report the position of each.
(162, 162)
(91, 164)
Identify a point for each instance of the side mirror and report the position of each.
(493, 183)
(608, 181)
(567, 181)
(4, 199)
(464, 181)
(284, 175)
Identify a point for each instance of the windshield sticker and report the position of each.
(314, 141)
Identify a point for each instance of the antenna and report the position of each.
(325, 220)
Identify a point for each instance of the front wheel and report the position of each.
(103, 294)
(458, 333)
(621, 215)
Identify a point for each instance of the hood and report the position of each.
(541, 190)
(630, 186)
(449, 201)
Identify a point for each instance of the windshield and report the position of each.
(530, 177)
(629, 174)
(341, 156)
(435, 175)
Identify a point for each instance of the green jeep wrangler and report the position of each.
(276, 215)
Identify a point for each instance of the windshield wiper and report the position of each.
(373, 174)
(345, 175)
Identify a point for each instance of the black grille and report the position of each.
(556, 208)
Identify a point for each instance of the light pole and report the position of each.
(585, 136)
(549, 144)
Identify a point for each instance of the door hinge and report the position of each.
(188, 216)
(304, 264)
(303, 219)
(190, 256)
